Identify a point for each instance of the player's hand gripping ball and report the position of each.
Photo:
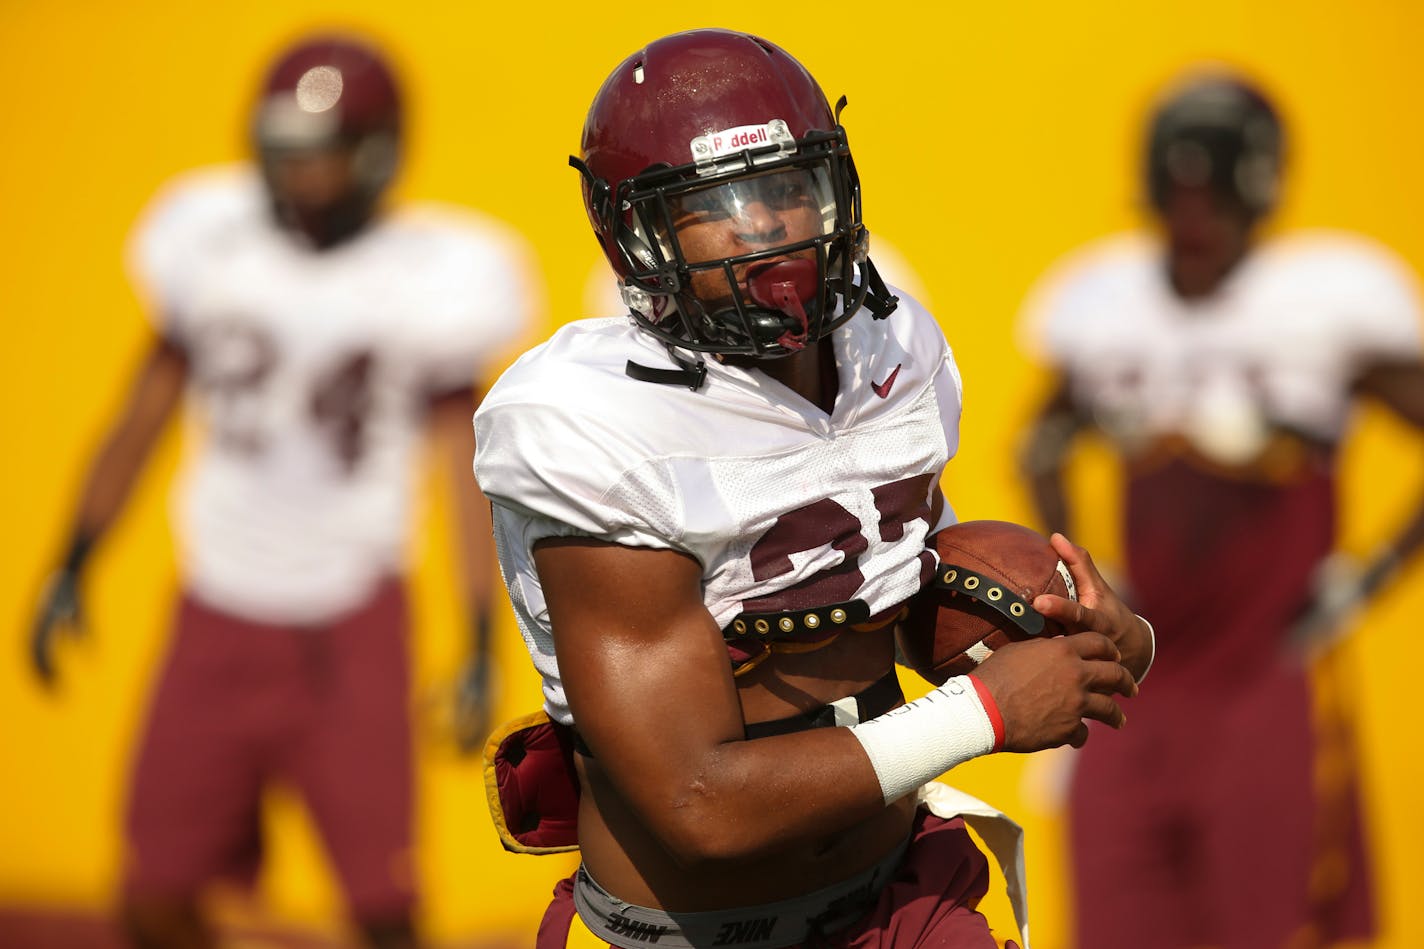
(981, 597)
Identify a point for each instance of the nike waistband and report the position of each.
(767, 926)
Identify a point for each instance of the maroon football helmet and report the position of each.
(329, 92)
(712, 123)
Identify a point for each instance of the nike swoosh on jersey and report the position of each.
(882, 389)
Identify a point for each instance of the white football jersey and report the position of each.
(785, 507)
(1276, 347)
(310, 375)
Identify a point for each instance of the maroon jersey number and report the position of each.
(826, 523)
(340, 405)
(232, 361)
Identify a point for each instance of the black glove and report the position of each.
(60, 614)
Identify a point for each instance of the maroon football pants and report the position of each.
(1219, 820)
(239, 705)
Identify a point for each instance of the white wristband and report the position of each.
(1152, 637)
(918, 742)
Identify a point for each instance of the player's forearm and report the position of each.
(124, 452)
(109, 483)
(1050, 501)
(1399, 386)
(1394, 555)
(475, 537)
(745, 799)
(1044, 454)
(455, 445)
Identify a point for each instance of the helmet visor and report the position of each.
(747, 215)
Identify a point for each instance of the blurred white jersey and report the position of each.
(785, 507)
(310, 375)
(1276, 347)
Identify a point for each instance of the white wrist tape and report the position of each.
(1152, 655)
(918, 742)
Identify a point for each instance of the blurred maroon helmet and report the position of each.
(714, 117)
(333, 91)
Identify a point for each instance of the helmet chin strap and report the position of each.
(783, 286)
(779, 290)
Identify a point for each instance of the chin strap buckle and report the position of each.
(692, 375)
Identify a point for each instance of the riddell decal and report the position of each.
(714, 145)
(745, 136)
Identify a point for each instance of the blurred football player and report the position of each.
(709, 513)
(1222, 367)
(315, 337)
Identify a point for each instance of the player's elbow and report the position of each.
(703, 849)
(701, 828)
(698, 848)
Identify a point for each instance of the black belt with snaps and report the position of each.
(788, 624)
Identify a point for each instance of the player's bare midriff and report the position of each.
(629, 862)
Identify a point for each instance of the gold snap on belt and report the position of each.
(787, 623)
(992, 594)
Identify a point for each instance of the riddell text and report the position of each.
(740, 140)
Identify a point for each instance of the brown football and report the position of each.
(981, 597)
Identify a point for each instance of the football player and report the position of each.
(316, 337)
(1222, 368)
(709, 513)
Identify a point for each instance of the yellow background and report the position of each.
(991, 139)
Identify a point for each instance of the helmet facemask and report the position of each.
(1221, 134)
(794, 206)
